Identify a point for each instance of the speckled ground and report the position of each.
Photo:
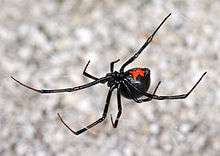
(47, 43)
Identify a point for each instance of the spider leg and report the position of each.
(154, 92)
(130, 93)
(149, 39)
(181, 96)
(43, 91)
(135, 98)
(115, 123)
(112, 65)
(97, 121)
(87, 74)
(163, 97)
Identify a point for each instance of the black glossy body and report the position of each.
(140, 82)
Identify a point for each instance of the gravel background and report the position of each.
(46, 43)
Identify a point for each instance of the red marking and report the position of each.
(137, 72)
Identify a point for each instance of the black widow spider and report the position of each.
(132, 84)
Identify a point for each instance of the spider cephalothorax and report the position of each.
(132, 84)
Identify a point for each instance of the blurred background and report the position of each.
(47, 43)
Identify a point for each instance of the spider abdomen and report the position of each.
(135, 78)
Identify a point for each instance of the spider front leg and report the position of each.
(148, 41)
(49, 91)
(115, 123)
(97, 121)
